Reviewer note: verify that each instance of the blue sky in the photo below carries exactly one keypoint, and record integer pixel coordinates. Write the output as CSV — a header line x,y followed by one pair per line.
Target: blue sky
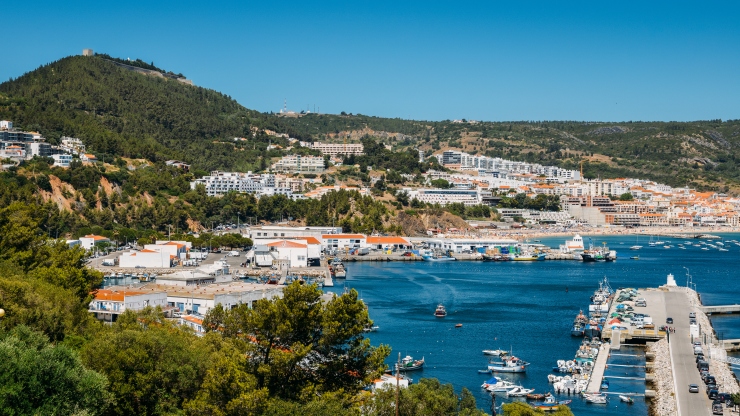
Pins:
x,y
517,60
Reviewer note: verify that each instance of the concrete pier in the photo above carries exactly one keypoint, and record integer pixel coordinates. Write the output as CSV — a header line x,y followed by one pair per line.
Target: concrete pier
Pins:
x,y
597,375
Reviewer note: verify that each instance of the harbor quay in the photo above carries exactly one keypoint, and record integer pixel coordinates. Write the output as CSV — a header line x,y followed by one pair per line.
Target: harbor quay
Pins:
x,y
678,329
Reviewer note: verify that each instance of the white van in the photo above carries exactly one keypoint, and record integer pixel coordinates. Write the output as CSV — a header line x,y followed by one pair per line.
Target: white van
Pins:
x,y
234,253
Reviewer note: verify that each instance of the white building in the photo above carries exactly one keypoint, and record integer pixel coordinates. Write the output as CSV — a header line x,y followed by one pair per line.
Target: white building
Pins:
x,y
448,196
336,149
343,241
294,252
201,299
113,301
6,125
62,160
146,259
299,164
281,232
72,145
89,241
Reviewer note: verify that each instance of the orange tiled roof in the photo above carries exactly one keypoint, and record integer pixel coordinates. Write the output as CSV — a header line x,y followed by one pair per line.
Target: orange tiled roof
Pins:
x,y
115,295
286,244
386,240
309,240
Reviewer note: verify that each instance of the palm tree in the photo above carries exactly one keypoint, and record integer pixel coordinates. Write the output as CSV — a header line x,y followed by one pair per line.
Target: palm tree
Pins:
x,y
115,236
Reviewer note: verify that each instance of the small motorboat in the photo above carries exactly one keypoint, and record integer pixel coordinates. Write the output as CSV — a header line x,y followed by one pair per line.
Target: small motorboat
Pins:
x,y
519,392
440,312
538,396
595,398
626,399
497,353
604,384
635,257
458,325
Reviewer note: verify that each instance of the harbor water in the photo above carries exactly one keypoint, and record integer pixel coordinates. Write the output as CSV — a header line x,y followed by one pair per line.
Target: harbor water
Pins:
x,y
527,307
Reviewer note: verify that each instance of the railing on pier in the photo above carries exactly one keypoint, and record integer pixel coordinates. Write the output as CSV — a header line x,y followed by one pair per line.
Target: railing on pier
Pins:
x,y
721,309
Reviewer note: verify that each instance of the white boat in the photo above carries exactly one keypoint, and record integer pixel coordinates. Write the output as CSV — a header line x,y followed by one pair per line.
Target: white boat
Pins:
x,y
595,398
635,247
626,399
497,353
508,365
518,392
497,385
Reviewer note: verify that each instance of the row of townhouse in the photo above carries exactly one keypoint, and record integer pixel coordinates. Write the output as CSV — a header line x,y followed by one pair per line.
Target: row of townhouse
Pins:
x,y
220,183
486,165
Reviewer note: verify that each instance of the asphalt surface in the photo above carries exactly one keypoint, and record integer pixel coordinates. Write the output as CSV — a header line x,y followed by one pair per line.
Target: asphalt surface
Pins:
x,y
678,306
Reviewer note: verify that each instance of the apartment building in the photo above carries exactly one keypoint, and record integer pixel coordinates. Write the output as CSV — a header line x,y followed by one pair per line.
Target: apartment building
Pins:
x,y
299,164
336,149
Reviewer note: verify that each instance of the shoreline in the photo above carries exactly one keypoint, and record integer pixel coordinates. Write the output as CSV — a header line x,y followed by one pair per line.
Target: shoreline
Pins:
x,y
673,232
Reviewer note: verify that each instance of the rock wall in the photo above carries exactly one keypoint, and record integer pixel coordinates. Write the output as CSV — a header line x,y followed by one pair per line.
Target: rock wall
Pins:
x,y
664,403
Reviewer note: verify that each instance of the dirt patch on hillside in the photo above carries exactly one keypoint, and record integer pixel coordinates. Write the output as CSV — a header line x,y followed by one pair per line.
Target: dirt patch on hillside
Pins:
x,y
417,225
56,195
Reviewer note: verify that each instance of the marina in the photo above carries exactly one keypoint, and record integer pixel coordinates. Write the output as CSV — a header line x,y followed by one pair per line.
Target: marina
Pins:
x,y
517,305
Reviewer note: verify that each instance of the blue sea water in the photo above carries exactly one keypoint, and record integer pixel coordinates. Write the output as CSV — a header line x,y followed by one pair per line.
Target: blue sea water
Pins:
x,y
527,307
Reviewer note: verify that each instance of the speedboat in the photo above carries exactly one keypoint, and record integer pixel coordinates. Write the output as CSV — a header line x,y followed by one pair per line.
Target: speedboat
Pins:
x,y
497,353
518,392
497,385
626,399
595,398
440,312
604,384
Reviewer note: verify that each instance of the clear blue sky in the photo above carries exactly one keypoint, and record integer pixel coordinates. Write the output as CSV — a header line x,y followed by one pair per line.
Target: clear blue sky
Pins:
x,y
515,60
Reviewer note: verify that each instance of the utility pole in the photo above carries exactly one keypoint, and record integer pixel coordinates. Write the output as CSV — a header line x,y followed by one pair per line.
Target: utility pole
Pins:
x,y
398,388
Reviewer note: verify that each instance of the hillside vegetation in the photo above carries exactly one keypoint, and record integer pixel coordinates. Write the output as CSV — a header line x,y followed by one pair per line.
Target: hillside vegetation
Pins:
x,y
117,112
702,154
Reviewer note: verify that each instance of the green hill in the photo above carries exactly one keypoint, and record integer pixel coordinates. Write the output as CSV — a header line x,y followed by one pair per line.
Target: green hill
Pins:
x,y
702,154
119,112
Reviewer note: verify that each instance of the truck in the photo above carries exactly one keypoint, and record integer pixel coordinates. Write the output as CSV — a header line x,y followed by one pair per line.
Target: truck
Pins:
x,y
234,253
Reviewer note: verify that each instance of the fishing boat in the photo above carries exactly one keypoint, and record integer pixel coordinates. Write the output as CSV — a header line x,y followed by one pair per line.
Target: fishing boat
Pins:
x,y
340,272
534,256
626,399
440,312
437,257
579,325
508,364
409,364
550,404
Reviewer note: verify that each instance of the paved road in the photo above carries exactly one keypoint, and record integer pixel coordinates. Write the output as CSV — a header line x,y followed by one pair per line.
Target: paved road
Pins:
x,y
678,306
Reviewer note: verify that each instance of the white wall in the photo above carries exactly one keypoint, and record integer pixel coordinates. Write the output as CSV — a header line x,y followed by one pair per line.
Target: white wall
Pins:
x,y
144,259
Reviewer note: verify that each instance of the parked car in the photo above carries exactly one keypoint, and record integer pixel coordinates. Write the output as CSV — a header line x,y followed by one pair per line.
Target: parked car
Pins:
x,y
669,320
693,388
712,393
724,397
710,380
692,314
717,409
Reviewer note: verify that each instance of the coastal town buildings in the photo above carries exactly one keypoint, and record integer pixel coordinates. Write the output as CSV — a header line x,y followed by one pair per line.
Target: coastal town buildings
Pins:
x,y
299,164
336,149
